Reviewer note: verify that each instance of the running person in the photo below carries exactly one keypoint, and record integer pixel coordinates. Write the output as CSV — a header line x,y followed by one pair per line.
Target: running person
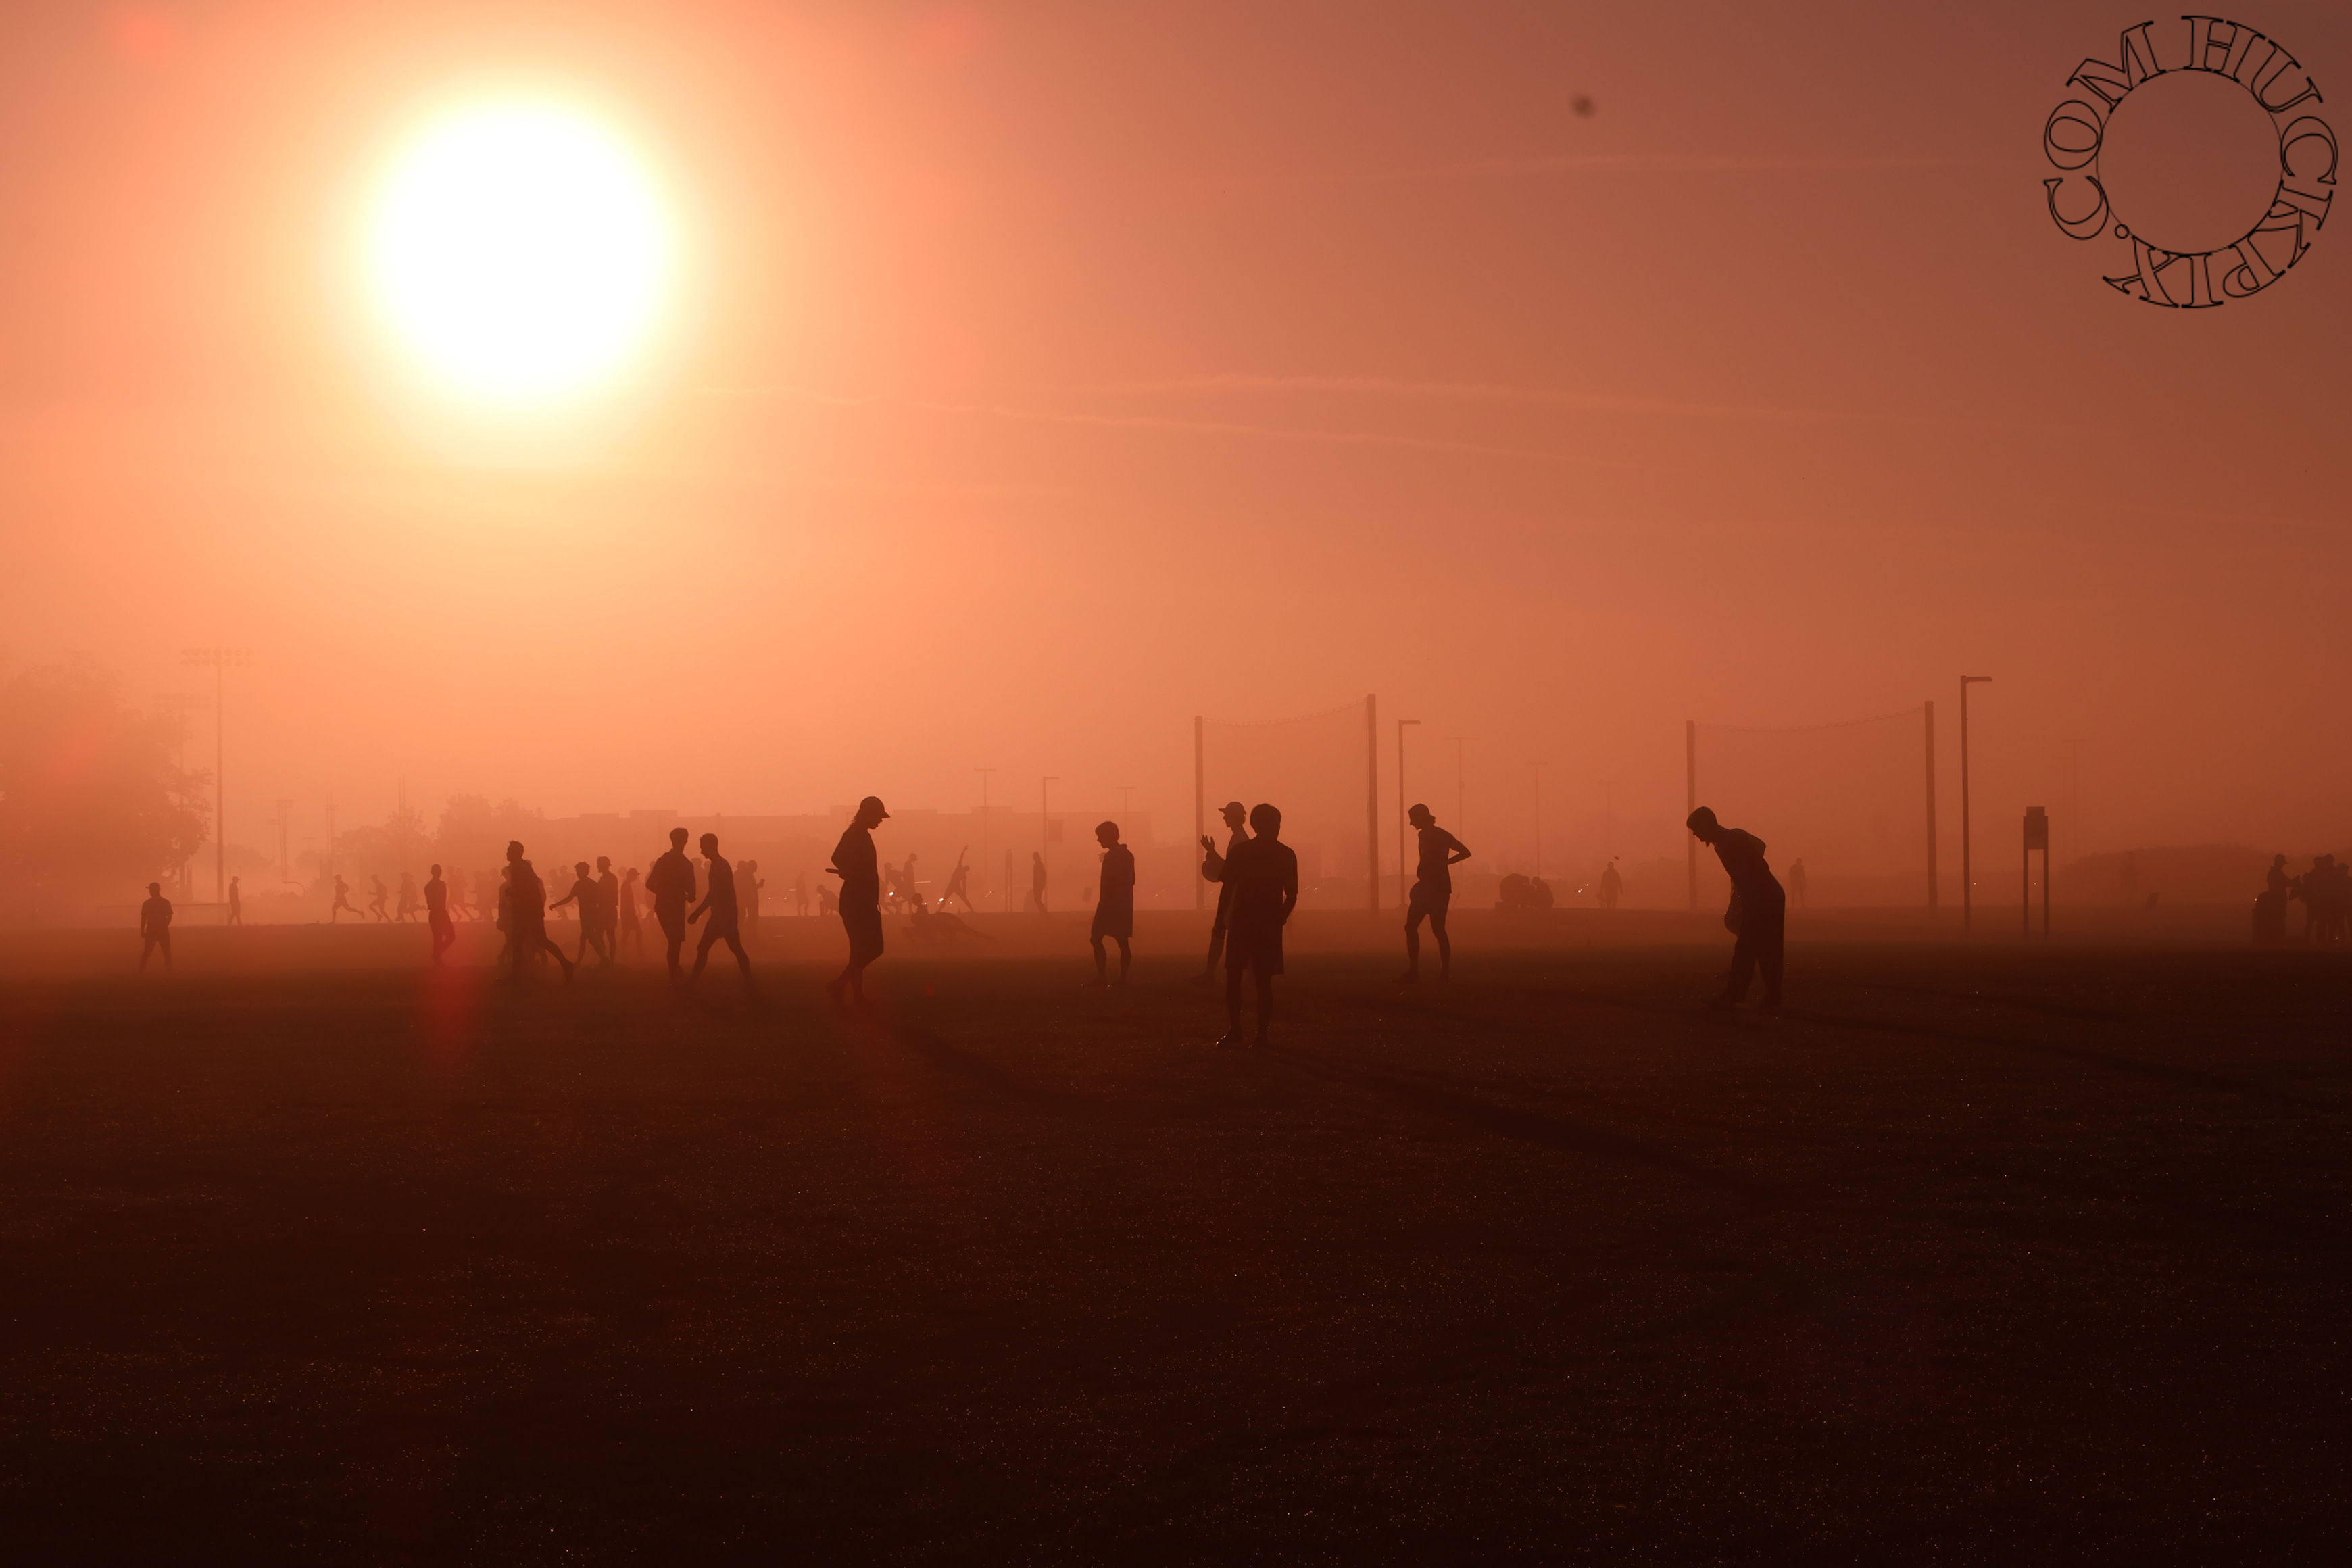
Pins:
x,y
726,915
342,901
375,904
671,883
526,915
1432,892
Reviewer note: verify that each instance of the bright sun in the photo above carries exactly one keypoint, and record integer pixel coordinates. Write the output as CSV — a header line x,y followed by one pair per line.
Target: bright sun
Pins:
x,y
520,252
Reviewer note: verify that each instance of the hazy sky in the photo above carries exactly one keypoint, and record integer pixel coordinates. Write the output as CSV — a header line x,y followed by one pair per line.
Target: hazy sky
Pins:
x,y
1051,373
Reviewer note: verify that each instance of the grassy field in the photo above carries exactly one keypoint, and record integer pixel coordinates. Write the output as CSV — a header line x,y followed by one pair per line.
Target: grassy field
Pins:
x,y
1974,1252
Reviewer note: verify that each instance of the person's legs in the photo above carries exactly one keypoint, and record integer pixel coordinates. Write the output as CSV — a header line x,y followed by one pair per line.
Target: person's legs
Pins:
x,y
1770,945
1102,961
1444,947
1743,965
1264,1005
702,951
742,959
1126,957
146,951
1414,912
1216,948
674,933
541,943
1233,1002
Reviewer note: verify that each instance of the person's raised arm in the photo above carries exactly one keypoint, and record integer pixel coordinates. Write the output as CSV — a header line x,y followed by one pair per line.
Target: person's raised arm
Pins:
x,y
1213,865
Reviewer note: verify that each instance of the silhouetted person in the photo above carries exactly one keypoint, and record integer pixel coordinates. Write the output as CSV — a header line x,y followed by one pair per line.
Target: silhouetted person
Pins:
x,y
1115,905
1433,893
1797,881
489,897
586,898
826,902
608,905
1613,886
407,905
1263,874
375,904
436,914
1759,909
750,884
671,885
460,896
235,903
1212,866
799,892
960,883
342,901
855,863
1037,880
726,915
155,927
626,901
526,915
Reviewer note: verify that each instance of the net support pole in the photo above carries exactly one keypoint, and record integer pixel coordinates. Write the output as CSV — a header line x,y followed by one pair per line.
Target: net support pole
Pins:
x,y
1199,804
1690,798
1372,799
1931,808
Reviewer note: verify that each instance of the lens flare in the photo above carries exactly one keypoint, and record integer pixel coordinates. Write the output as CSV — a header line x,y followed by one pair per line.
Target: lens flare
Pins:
x,y
521,253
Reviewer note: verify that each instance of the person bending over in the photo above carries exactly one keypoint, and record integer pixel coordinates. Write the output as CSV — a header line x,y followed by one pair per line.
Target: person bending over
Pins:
x,y
1758,913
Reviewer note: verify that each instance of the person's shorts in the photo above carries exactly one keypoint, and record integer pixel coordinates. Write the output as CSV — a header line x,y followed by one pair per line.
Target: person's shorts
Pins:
x,y
716,931
1427,898
673,923
1250,948
443,923
1117,923
865,928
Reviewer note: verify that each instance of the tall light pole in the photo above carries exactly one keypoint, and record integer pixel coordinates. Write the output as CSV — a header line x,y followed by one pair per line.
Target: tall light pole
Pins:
x,y
1967,888
1537,769
983,773
217,659
1045,827
1402,802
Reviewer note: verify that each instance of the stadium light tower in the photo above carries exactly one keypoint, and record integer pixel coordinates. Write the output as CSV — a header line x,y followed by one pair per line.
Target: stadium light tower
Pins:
x,y
217,659
1967,886
983,773
1403,860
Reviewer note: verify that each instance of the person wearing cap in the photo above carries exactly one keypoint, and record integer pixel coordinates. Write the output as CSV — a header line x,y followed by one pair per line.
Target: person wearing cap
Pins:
x,y
155,926
1758,912
1212,866
1114,904
1263,873
854,861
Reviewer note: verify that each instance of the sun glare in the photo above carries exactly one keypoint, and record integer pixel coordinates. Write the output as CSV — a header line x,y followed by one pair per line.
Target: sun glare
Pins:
x,y
520,252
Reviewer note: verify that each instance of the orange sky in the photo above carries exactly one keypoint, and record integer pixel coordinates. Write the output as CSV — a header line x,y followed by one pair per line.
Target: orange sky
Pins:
x,y
1054,372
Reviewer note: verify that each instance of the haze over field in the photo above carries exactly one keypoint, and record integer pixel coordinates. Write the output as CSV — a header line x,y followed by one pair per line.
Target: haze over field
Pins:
x,y
1031,378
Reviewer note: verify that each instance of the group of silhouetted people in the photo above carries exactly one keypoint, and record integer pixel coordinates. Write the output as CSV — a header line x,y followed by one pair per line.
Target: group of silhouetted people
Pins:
x,y
2325,892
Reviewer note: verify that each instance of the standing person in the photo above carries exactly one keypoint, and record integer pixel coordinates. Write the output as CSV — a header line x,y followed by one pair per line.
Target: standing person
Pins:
x,y
235,902
861,900
1115,905
587,901
799,892
906,882
1759,910
625,897
1797,881
1263,874
375,904
726,915
960,882
1613,886
608,906
1433,894
671,883
527,914
748,886
407,905
1037,880
1236,822
155,927
342,901
826,902
436,914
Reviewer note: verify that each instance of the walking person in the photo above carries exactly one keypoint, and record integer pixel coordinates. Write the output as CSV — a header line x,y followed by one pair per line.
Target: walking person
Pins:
x,y
1758,913
1433,894
608,906
726,915
155,928
407,905
1114,904
1236,820
632,938
1613,886
235,902
436,914
526,906
1797,881
860,872
1262,873
1037,880
587,901
375,904
671,883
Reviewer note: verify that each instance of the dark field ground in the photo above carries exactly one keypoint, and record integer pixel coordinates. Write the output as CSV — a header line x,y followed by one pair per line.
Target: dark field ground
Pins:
x,y
1975,1253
